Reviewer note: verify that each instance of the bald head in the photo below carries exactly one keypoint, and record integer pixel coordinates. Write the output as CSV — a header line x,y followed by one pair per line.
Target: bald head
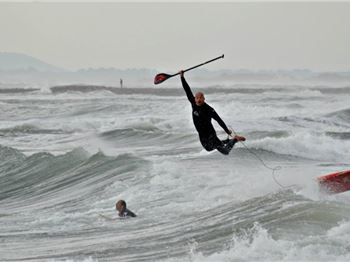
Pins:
x,y
199,98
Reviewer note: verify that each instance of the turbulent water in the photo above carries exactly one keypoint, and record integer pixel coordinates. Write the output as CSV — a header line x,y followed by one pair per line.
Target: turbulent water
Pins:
x,y
66,158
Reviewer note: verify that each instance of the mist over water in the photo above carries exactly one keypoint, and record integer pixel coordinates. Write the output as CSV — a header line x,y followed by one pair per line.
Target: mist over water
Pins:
x,y
66,157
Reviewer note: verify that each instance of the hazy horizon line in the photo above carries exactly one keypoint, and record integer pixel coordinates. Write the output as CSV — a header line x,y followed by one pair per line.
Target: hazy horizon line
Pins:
x,y
102,67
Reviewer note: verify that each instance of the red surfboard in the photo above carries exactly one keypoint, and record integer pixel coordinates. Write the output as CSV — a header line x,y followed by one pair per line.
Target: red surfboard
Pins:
x,y
334,183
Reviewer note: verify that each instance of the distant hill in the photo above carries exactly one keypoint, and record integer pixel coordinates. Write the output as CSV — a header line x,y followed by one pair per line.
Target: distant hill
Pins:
x,y
18,68
16,61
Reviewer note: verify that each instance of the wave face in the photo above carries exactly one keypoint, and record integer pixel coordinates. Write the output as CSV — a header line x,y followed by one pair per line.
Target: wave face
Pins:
x,y
17,90
67,156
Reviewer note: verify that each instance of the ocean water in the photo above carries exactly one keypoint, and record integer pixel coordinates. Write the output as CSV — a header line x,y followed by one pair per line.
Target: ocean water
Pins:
x,y
67,157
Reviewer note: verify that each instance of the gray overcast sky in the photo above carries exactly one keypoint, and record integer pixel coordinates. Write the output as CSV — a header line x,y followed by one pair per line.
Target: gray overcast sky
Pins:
x,y
171,36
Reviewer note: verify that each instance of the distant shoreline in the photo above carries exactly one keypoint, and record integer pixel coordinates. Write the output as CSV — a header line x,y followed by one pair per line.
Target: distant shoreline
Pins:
x,y
178,91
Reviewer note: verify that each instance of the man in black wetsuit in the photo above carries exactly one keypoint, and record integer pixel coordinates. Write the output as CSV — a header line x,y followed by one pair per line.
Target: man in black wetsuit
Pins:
x,y
202,114
120,206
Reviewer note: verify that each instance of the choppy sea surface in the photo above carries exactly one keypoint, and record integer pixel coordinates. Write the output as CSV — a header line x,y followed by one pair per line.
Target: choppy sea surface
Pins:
x,y
66,158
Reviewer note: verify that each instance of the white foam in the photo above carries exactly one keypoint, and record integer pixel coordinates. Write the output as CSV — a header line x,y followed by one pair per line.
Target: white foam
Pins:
x,y
309,145
257,244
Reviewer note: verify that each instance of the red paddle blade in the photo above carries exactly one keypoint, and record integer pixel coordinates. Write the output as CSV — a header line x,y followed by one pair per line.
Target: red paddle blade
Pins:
x,y
160,78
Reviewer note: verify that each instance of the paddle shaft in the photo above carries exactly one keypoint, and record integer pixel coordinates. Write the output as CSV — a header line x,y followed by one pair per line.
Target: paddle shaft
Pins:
x,y
159,78
193,67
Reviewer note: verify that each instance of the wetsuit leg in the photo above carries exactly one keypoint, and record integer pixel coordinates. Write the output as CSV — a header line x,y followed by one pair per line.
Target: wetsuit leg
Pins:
x,y
209,142
209,146
226,148
226,140
213,142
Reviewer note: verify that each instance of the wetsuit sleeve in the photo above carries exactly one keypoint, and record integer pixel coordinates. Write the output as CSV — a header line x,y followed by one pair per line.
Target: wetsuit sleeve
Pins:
x,y
187,90
220,122
131,214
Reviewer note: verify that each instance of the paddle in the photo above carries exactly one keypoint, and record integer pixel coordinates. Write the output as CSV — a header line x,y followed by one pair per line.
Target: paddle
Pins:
x,y
162,76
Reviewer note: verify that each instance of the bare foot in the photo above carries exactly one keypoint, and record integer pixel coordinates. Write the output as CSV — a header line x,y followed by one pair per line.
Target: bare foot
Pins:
x,y
240,138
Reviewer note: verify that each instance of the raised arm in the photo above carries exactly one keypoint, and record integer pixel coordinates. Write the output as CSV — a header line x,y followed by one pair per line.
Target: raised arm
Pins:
x,y
220,122
187,88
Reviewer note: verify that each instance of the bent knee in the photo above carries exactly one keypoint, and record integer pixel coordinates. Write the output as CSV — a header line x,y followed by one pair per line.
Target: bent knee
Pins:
x,y
223,151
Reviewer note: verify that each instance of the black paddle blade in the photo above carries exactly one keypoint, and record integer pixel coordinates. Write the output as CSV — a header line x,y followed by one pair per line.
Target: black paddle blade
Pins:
x,y
161,78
